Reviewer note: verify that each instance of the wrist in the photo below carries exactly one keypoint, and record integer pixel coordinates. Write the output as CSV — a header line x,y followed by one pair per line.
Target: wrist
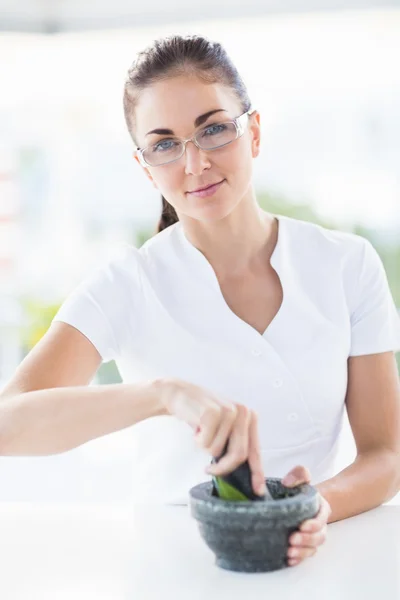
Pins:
x,y
159,392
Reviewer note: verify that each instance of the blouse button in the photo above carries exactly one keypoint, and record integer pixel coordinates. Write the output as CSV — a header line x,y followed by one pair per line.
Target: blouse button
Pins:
x,y
293,417
278,383
256,352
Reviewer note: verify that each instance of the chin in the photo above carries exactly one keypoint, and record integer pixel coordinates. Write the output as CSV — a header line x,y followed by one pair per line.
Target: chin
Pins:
x,y
214,211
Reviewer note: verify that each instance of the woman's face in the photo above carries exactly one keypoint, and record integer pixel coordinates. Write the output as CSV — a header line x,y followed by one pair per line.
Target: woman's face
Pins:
x,y
175,104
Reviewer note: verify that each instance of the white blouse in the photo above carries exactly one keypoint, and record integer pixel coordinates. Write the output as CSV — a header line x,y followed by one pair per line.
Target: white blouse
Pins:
x,y
158,311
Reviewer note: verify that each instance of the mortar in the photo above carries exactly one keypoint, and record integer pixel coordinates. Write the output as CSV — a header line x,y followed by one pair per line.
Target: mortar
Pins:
x,y
252,536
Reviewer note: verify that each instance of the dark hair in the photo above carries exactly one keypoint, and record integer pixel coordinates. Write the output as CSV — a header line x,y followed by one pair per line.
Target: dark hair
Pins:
x,y
178,55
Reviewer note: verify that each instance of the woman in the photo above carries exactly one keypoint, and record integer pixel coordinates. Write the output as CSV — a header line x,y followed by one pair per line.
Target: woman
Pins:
x,y
244,325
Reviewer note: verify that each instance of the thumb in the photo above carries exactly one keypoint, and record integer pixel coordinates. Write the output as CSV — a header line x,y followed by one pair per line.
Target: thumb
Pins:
x,y
297,476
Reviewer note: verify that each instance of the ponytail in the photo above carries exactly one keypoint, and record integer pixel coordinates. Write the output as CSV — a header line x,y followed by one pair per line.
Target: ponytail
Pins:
x,y
168,215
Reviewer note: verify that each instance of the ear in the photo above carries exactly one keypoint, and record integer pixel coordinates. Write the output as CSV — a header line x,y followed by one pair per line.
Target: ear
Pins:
x,y
145,169
255,130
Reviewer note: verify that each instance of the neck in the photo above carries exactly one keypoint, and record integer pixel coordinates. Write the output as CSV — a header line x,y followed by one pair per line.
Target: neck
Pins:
x,y
238,243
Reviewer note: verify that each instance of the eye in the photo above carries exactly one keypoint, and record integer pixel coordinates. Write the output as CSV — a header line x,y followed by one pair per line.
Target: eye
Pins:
x,y
164,145
214,129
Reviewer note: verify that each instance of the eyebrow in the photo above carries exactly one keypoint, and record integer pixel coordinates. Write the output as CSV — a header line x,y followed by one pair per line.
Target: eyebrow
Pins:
x,y
199,121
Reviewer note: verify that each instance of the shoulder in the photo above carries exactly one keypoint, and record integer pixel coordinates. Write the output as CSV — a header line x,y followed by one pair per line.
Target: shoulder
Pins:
x,y
125,267
122,259
116,271
321,244
162,240
125,258
334,259
161,247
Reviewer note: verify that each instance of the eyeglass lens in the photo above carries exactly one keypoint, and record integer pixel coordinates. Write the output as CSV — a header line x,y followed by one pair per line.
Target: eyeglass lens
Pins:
x,y
209,138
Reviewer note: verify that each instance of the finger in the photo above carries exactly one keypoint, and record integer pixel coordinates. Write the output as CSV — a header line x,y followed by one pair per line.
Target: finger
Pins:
x,y
325,510
310,540
315,524
238,445
300,553
209,424
255,461
292,562
228,418
297,476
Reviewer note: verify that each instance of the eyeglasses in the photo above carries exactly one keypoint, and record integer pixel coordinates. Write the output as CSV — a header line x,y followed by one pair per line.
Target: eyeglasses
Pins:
x,y
209,138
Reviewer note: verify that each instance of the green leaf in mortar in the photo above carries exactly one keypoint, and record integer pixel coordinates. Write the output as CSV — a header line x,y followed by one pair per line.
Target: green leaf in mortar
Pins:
x,y
228,492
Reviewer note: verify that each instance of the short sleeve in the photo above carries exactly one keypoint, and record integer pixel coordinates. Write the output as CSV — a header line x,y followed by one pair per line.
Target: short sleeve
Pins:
x,y
375,321
103,305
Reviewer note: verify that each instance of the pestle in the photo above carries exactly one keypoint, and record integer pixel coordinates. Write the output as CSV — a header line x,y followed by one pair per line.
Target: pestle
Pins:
x,y
237,484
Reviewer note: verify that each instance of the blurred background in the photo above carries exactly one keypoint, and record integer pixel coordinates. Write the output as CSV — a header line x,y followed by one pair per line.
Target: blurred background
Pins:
x,y
325,77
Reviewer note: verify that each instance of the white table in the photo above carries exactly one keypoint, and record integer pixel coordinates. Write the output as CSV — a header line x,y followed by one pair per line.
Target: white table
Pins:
x,y
155,553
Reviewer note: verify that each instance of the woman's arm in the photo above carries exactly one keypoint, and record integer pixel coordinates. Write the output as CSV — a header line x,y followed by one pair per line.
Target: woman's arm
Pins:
x,y
48,408
373,406
52,421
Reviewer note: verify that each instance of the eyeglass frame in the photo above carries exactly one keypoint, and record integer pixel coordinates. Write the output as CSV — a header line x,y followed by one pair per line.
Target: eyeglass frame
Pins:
x,y
239,132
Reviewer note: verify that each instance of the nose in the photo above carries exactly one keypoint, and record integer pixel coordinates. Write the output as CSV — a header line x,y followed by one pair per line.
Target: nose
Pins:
x,y
196,160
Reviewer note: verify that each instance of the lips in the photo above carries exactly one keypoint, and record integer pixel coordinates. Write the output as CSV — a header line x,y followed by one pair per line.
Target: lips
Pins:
x,y
206,191
202,189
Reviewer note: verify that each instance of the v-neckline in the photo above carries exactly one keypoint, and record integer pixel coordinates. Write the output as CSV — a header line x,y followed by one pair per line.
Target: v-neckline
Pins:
x,y
211,277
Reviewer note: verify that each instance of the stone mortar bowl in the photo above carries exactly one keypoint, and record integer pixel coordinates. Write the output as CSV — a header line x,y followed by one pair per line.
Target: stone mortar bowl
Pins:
x,y
252,536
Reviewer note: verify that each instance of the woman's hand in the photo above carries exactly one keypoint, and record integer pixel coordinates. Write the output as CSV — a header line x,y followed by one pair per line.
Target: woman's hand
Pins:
x,y
214,422
304,543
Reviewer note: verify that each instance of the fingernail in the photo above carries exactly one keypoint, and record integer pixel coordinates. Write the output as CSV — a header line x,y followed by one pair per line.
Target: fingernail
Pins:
x,y
262,489
289,480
